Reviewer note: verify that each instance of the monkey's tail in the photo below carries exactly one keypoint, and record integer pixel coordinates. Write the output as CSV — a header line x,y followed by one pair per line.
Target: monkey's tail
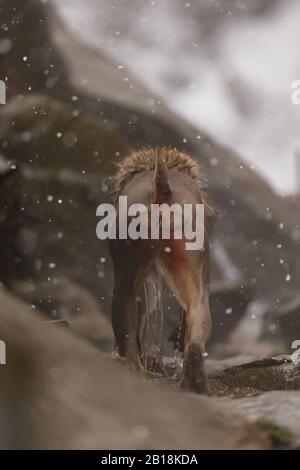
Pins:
x,y
161,188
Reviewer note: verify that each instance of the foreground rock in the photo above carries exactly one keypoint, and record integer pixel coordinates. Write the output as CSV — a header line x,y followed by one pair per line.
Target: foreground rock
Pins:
x,y
266,392
68,303
278,413
56,391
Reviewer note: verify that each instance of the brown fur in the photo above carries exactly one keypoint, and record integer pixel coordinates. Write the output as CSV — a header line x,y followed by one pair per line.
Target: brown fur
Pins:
x,y
144,159
161,175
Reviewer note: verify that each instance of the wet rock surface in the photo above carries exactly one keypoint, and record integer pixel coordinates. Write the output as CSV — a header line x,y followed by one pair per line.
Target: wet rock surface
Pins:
x,y
276,412
57,391
255,377
241,376
266,392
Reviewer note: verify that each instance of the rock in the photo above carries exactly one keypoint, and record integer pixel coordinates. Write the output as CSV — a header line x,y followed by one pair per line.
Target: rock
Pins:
x,y
59,191
5,169
29,64
10,220
228,302
276,411
64,300
283,321
274,373
241,376
251,336
58,392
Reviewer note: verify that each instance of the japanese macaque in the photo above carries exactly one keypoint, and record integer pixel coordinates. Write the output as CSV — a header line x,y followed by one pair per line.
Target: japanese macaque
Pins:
x,y
161,176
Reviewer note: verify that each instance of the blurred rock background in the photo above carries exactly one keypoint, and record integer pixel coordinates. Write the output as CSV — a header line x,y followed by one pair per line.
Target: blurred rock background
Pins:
x,y
229,71
73,109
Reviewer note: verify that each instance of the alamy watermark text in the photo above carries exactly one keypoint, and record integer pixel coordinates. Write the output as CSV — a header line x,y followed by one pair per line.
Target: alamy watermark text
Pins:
x,y
159,221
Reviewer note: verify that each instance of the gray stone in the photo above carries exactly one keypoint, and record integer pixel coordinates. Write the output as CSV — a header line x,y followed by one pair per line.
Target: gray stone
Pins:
x,y
58,392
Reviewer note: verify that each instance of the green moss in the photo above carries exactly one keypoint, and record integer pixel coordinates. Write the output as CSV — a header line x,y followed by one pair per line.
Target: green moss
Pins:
x,y
279,435
109,355
143,373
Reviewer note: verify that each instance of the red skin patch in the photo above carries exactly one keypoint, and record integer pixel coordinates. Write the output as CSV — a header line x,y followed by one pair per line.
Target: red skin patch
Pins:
x,y
174,254
172,250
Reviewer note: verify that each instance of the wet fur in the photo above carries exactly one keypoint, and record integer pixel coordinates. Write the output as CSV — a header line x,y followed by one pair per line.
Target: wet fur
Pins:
x,y
186,272
138,161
